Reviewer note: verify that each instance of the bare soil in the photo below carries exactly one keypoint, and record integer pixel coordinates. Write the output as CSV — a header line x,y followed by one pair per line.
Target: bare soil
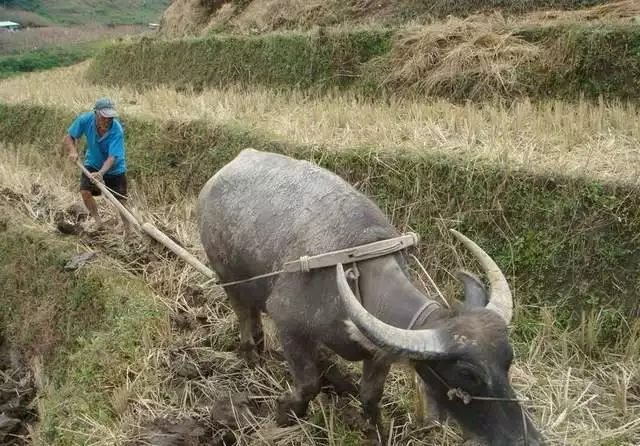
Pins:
x,y
227,414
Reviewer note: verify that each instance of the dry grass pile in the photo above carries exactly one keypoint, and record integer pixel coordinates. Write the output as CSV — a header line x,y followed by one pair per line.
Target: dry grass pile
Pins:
x,y
189,17
623,11
186,17
620,9
268,15
484,51
436,57
35,38
575,397
583,139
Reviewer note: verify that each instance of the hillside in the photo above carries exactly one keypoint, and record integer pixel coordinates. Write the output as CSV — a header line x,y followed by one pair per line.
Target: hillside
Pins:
x,y
82,12
193,17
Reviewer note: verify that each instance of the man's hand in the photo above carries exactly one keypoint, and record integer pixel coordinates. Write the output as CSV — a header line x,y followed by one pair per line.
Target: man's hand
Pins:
x,y
71,146
96,176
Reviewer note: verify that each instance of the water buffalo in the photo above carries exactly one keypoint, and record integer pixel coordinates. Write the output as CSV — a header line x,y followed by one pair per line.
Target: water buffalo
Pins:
x,y
264,209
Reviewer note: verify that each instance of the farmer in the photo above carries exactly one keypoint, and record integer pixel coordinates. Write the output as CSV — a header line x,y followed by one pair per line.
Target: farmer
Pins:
x,y
105,156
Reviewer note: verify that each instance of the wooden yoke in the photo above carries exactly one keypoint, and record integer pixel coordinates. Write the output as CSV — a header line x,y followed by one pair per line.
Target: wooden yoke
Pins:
x,y
351,255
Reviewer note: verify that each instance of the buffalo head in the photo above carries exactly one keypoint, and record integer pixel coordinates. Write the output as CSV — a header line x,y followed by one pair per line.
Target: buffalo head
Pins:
x,y
462,354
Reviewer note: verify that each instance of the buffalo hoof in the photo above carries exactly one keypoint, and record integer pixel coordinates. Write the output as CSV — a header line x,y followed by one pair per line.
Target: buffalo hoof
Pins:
x,y
247,352
288,409
374,429
340,384
373,437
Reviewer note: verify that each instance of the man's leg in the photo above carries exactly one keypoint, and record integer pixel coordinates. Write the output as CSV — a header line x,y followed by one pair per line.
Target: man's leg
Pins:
x,y
88,190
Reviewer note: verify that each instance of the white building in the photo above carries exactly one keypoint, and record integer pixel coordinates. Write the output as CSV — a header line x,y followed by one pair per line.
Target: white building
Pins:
x,y
9,26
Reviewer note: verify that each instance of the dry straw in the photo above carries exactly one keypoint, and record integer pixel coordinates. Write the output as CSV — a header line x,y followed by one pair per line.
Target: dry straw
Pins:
x,y
430,59
600,140
190,17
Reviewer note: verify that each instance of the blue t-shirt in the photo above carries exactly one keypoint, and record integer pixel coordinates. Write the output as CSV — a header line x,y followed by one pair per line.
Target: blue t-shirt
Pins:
x,y
99,148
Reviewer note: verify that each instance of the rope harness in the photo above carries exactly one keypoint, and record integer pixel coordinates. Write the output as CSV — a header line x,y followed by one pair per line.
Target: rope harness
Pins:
x,y
345,256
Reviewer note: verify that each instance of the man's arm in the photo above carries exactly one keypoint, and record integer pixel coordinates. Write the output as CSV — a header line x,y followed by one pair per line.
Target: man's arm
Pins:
x,y
71,146
106,165
74,132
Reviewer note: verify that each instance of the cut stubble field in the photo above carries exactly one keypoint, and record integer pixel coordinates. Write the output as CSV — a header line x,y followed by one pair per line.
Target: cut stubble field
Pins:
x,y
579,139
573,397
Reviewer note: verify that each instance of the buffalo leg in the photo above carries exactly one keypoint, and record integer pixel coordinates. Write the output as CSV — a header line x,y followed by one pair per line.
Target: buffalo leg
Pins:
x,y
341,382
374,374
246,322
301,358
256,330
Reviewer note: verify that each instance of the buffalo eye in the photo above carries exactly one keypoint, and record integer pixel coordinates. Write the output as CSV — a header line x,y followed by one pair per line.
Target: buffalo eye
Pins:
x,y
470,378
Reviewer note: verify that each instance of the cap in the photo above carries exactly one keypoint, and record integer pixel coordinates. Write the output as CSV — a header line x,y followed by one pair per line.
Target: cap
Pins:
x,y
105,108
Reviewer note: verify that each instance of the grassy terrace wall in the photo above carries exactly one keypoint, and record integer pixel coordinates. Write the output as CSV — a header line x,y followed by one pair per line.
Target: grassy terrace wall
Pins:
x,y
562,242
89,327
278,60
46,58
560,61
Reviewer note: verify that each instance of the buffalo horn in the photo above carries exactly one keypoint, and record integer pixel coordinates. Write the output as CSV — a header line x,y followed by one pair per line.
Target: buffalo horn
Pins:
x,y
413,344
500,299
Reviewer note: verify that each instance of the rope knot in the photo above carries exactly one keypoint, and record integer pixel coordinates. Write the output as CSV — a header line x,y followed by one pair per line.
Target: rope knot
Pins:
x,y
459,393
304,264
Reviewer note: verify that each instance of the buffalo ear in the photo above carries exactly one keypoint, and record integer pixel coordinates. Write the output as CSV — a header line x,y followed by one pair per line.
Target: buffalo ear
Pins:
x,y
475,294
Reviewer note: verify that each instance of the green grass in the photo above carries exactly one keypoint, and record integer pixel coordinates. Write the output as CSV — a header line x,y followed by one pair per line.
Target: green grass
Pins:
x,y
83,12
91,328
598,60
574,61
24,18
568,243
46,58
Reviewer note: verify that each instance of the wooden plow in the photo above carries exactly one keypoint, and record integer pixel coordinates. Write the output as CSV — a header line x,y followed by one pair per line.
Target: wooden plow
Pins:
x,y
151,230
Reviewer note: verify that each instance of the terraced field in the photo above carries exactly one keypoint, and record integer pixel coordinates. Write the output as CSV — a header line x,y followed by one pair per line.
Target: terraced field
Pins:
x,y
135,344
